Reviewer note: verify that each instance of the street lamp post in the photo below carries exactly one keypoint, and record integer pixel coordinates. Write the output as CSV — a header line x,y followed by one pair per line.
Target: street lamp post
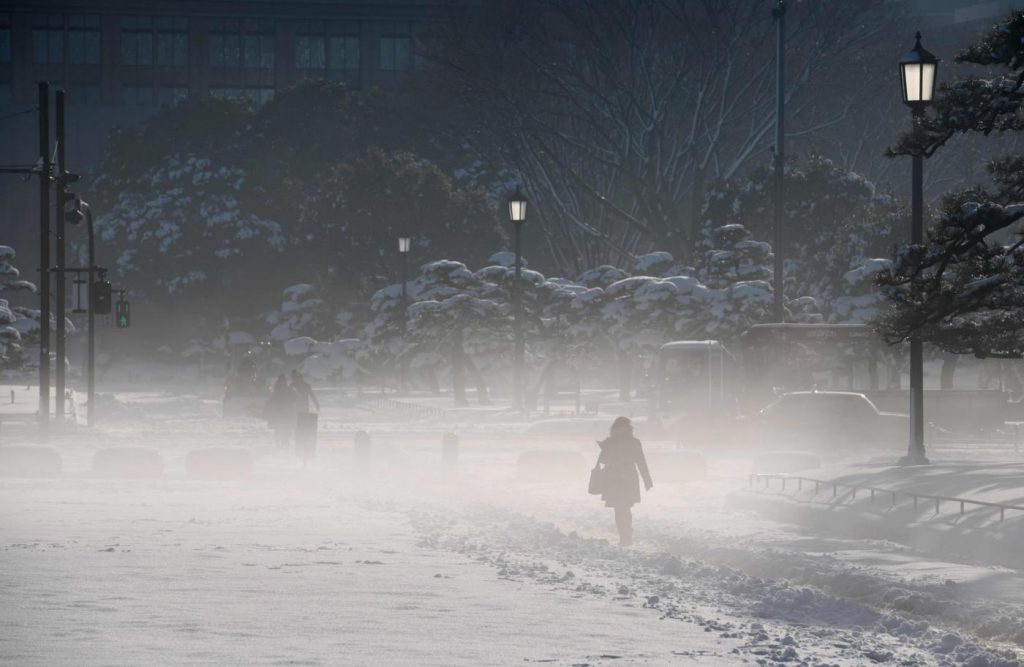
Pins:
x,y
517,215
404,245
917,74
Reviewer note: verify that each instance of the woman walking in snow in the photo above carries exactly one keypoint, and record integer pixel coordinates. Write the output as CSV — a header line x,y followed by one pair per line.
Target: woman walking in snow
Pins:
x,y
281,410
622,457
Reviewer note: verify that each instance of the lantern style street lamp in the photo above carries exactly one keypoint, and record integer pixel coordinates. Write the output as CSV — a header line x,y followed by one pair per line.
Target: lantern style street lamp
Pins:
x,y
517,215
918,68
917,72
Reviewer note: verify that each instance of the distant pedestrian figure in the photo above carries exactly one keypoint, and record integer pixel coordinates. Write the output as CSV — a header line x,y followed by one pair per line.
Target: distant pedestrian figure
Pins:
x,y
304,391
622,456
281,410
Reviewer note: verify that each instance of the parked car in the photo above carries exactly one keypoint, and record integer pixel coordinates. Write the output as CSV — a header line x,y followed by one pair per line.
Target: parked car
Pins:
x,y
830,421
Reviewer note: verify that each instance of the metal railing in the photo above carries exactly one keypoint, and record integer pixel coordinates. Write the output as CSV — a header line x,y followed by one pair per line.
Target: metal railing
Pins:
x,y
404,408
875,491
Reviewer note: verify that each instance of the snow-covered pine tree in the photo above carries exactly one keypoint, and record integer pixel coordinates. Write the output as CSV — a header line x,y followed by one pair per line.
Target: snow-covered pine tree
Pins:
x,y
963,289
18,325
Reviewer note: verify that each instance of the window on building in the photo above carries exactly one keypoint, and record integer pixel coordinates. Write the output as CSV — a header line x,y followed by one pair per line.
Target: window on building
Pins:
x,y
395,53
5,38
344,52
309,52
171,41
84,39
258,96
137,40
83,95
225,43
47,45
169,96
259,51
223,93
138,96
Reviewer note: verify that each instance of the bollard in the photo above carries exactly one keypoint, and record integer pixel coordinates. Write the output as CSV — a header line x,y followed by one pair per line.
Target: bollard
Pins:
x,y
306,424
936,505
362,446
450,453
894,498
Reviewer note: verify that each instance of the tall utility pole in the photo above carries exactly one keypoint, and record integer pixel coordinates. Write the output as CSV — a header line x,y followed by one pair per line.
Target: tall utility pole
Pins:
x,y
779,12
44,260
58,210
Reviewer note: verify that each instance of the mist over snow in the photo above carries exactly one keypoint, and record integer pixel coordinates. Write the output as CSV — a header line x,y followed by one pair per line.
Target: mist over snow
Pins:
x,y
513,332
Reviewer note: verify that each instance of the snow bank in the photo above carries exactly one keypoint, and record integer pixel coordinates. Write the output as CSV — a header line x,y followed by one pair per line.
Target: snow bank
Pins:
x,y
551,466
131,462
29,461
219,463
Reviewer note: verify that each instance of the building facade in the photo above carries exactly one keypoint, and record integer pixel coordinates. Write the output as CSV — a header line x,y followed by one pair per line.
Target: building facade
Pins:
x,y
148,53
121,60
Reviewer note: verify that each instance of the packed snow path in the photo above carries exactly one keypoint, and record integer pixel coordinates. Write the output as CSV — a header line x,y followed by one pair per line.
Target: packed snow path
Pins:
x,y
398,565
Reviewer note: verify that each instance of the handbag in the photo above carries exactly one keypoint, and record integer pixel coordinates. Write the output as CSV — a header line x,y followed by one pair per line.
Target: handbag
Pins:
x,y
595,487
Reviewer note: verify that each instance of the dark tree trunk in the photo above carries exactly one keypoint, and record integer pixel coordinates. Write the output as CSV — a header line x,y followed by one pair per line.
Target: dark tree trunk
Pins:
x,y
458,359
483,396
696,213
625,376
949,362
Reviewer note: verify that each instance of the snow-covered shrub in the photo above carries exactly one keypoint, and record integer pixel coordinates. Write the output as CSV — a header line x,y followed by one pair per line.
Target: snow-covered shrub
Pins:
x,y
302,313
18,325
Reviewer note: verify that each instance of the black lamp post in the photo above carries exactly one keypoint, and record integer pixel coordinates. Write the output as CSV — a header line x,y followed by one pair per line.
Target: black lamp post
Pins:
x,y
404,245
517,215
917,74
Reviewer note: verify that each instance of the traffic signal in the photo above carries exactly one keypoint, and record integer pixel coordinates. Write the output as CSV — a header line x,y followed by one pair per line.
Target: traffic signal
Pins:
x,y
73,213
122,315
101,297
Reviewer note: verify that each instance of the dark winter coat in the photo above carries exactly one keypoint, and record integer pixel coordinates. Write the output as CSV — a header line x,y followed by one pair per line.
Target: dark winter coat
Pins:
x,y
622,457
281,408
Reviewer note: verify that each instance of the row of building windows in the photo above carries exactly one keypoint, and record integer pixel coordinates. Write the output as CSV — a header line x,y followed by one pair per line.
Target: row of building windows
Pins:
x,y
88,95
164,42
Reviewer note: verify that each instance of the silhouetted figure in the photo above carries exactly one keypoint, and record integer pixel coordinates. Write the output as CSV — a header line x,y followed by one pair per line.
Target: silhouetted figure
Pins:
x,y
304,391
281,410
622,456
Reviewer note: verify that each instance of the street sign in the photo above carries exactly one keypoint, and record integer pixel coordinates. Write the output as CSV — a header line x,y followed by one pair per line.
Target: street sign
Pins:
x,y
102,296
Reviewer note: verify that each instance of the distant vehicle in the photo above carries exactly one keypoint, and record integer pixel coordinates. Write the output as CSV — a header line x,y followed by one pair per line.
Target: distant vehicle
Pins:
x,y
695,377
695,398
829,421
802,357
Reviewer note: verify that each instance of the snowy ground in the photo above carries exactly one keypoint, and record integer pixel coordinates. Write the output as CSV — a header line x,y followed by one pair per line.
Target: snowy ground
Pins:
x,y
397,564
